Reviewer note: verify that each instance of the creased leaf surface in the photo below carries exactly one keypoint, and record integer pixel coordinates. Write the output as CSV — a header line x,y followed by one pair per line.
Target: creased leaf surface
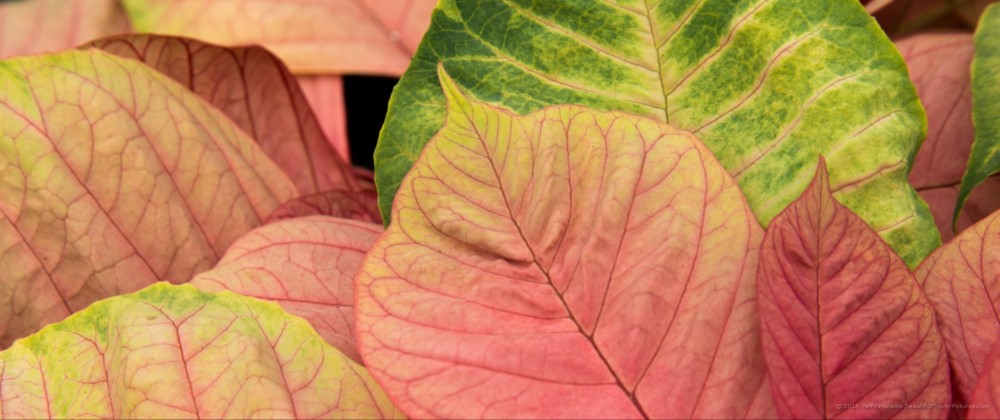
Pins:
x,y
844,321
564,264
766,84
307,265
254,89
962,281
112,177
176,352
985,158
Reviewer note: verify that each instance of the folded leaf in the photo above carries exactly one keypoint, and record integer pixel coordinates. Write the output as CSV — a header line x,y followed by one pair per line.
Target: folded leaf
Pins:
x,y
564,264
344,36
985,158
112,177
326,99
767,85
962,281
306,265
847,331
175,352
356,205
939,67
37,26
253,88
986,395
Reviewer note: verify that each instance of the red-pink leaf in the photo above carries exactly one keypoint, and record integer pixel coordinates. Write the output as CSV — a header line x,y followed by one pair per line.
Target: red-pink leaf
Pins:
x,y
962,281
356,205
985,400
939,67
256,91
567,263
113,177
36,26
306,265
844,321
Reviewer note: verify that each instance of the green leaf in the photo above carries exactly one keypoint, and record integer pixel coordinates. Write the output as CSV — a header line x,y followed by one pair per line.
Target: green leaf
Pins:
x,y
767,84
985,158
176,352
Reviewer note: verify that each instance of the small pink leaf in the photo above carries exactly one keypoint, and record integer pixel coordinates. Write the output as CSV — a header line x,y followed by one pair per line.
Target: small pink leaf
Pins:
x,y
306,265
985,400
527,275
356,205
962,281
253,88
844,321
326,98
114,177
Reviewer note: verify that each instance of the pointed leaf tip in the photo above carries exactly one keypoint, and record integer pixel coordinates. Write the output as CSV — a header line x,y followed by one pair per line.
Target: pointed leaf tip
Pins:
x,y
455,98
843,320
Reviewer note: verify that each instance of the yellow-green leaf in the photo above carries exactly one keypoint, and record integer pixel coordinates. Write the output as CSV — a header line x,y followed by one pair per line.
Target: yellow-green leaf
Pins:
x,y
176,352
766,84
985,158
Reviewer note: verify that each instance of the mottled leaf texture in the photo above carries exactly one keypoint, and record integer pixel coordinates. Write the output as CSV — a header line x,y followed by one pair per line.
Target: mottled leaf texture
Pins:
x,y
985,401
766,84
357,205
939,67
333,36
307,265
847,331
176,352
985,158
253,88
113,176
564,264
36,26
962,281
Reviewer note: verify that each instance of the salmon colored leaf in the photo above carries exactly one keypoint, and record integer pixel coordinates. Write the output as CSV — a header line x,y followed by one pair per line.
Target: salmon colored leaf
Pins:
x,y
176,352
326,98
564,264
306,265
253,88
962,281
356,205
38,26
986,395
985,158
939,67
312,37
112,177
765,84
847,331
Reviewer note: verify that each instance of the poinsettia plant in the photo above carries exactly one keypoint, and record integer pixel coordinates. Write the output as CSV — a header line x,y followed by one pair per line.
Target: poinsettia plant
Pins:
x,y
580,209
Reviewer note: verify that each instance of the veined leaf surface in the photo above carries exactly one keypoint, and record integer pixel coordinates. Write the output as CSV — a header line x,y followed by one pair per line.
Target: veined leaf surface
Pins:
x,y
307,265
37,26
356,205
112,177
176,352
962,281
939,67
254,89
766,84
564,264
844,321
985,158
987,391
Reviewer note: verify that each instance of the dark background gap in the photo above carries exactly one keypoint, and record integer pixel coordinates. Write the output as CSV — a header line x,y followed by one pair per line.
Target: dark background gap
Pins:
x,y
366,99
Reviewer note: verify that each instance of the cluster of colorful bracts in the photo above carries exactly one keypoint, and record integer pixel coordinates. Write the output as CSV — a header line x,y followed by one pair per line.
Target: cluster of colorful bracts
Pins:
x,y
580,209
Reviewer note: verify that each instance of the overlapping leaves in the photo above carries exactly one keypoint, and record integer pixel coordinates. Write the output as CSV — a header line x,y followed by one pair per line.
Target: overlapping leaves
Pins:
x,y
766,84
